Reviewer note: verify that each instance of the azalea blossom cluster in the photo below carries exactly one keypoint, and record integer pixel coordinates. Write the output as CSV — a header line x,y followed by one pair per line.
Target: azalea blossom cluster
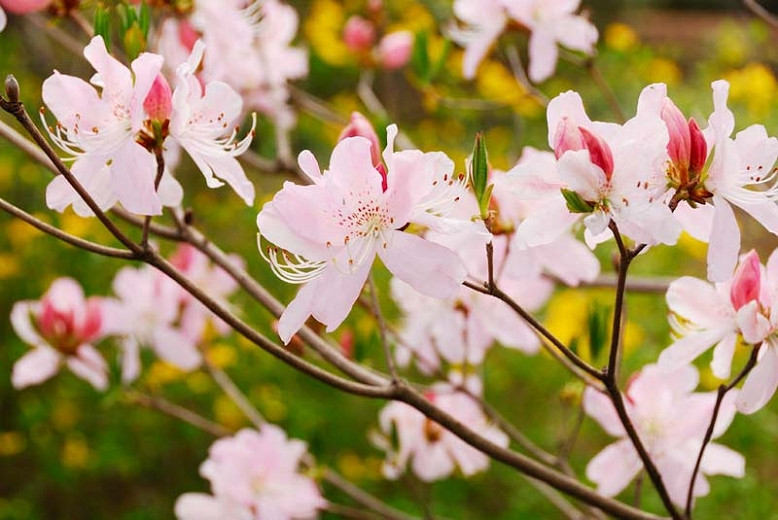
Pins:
x,y
254,475
149,310
117,138
360,34
249,47
548,22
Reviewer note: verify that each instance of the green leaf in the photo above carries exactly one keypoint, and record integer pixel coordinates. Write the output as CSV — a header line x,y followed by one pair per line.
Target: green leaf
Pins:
x,y
575,203
102,24
144,19
598,320
479,174
420,58
134,41
440,61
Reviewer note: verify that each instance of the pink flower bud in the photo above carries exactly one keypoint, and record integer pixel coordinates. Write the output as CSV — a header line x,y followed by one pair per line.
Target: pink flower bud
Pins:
x,y
395,49
678,147
359,34
360,126
567,137
159,101
187,35
599,151
699,148
24,6
746,282
65,320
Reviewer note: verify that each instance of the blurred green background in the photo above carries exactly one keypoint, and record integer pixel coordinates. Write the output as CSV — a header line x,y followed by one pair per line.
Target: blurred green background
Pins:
x,y
69,452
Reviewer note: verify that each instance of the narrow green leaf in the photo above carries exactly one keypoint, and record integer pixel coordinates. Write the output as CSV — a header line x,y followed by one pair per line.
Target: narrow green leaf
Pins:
x,y
102,24
598,328
144,19
575,203
420,58
440,61
479,174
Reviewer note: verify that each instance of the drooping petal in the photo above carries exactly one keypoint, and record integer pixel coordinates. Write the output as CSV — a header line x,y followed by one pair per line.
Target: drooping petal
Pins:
x,y
688,348
543,54
132,175
176,348
199,506
21,321
35,366
724,244
614,467
720,460
429,268
760,384
90,366
600,408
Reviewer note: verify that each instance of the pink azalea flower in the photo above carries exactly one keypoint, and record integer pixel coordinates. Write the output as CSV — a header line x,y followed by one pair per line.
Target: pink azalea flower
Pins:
x,y
147,313
99,132
432,451
61,328
740,173
213,280
24,6
614,170
549,23
671,421
394,49
359,34
199,120
254,476
358,214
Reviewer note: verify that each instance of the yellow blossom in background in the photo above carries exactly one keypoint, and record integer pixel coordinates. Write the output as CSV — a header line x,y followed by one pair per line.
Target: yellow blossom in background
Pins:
x,y
221,355
228,414
351,466
271,402
11,443
414,17
9,266
755,86
6,172
198,382
621,37
20,234
71,223
495,82
662,70
161,373
731,45
692,246
65,415
75,452
323,30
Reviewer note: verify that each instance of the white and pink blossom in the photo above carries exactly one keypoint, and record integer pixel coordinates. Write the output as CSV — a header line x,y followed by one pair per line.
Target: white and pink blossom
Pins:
x,y
433,452
550,23
61,329
327,234
254,476
671,421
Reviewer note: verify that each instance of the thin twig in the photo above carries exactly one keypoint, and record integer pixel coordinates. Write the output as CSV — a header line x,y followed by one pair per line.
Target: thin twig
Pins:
x,y
232,391
392,367
65,237
607,91
517,68
179,412
375,107
658,284
722,391
762,13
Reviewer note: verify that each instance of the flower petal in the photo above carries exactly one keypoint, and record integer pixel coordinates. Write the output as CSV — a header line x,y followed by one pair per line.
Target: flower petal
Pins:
x,y
34,367
760,384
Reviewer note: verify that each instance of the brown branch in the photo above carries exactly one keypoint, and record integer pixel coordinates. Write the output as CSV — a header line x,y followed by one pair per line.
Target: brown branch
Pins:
x,y
179,412
721,392
762,13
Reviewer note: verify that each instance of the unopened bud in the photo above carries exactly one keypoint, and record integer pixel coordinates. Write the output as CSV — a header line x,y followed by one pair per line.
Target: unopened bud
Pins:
x,y
599,151
359,126
11,89
358,34
746,282
567,137
678,147
24,6
159,101
699,148
395,49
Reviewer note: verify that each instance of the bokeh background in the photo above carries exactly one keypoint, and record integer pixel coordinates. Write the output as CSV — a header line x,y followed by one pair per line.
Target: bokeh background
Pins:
x,y
69,452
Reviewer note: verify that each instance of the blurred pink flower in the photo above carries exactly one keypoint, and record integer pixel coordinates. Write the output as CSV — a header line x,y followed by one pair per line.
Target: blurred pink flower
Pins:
x,y
359,34
394,49
330,232
671,421
254,476
432,451
24,6
61,328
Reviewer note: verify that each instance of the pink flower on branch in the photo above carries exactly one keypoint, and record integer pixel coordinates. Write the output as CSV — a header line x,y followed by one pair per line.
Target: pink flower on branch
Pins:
x,y
327,234
433,452
671,421
254,476
61,328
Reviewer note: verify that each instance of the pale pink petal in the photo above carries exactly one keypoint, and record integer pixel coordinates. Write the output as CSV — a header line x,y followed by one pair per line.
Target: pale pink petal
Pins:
x,y
21,321
337,293
698,302
170,191
575,32
567,105
724,244
275,228
486,20
132,175
688,348
760,384
614,467
698,222
92,173
765,213
90,366
224,167
722,356
73,101
721,120
429,268
199,506
130,359
351,167
145,69
547,223
176,348
3,19
581,176
432,463
543,53
720,460
298,310
600,408
309,165
753,324
35,366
